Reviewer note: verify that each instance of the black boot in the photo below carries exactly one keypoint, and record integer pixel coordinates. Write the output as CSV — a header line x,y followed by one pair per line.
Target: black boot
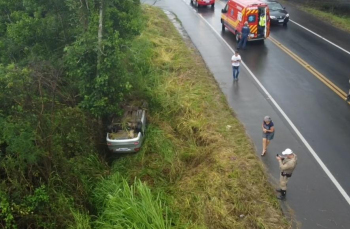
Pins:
x,y
283,195
279,190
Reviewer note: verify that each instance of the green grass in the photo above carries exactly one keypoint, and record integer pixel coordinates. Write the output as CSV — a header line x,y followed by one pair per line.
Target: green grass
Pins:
x,y
81,220
341,22
131,206
192,171
334,17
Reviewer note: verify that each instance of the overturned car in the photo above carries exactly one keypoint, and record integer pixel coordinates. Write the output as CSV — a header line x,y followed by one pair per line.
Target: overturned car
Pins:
x,y
126,134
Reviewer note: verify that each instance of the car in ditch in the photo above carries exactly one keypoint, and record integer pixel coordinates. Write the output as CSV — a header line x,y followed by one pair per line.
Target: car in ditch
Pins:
x,y
126,134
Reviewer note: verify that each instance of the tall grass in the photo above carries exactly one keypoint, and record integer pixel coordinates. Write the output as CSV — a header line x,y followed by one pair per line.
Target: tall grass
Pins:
x,y
129,206
81,220
200,174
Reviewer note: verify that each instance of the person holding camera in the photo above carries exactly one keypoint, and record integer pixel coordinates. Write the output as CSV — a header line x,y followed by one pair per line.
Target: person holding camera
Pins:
x,y
287,163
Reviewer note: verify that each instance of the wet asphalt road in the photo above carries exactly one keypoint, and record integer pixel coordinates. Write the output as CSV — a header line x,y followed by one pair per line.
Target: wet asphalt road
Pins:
x,y
320,115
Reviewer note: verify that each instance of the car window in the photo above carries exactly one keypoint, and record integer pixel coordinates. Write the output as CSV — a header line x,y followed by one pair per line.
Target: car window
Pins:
x,y
251,18
275,6
226,8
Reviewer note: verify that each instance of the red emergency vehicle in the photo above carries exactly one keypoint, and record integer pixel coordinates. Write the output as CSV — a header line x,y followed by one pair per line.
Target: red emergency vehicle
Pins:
x,y
198,3
236,12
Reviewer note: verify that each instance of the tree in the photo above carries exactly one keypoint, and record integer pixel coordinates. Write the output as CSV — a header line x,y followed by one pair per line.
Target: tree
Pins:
x,y
56,78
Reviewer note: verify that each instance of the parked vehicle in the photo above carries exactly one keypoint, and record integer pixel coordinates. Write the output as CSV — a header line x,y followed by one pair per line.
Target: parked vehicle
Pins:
x,y
126,133
278,13
198,3
236,12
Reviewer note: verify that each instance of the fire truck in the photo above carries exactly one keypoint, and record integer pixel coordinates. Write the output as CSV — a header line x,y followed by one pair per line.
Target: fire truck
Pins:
x,y
236,12
198,3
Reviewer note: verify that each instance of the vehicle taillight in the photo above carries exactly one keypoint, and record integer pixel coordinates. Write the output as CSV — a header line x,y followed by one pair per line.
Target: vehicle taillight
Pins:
x,y
109,144
136,143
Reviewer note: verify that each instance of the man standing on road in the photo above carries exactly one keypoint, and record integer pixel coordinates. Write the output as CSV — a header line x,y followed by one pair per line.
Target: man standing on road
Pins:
x,y
287,164
244,36
235,60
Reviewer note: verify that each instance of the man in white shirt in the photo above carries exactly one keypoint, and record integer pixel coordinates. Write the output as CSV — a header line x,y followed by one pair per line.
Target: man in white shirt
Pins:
x,y
235,60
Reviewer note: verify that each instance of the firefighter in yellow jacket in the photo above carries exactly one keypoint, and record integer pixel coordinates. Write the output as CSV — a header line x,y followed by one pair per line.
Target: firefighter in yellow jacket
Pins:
x,y
287,164
262,24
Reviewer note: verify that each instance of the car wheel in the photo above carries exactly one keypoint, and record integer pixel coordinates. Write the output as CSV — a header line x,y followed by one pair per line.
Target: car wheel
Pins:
x,y
212,5
222,27
196,4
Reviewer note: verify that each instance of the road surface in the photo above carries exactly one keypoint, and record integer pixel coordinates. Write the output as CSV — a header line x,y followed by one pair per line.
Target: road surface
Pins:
x,y
299,77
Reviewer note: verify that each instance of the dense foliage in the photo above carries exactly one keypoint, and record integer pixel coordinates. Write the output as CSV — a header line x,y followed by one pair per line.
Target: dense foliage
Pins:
x,y
65,66
198,170
57,82
337,7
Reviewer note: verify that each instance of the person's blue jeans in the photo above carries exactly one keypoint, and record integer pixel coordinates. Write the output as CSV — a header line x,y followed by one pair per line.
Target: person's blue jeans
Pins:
x,y
235,72
243,42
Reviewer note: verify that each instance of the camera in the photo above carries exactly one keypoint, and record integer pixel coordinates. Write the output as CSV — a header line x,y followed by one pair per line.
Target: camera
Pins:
x,y
280,156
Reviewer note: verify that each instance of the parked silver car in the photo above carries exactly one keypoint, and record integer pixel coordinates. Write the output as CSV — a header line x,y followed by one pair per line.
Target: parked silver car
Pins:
x,y
126,134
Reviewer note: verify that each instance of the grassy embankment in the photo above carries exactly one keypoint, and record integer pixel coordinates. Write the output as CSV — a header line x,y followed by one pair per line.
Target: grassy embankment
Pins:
x,y
192,172
340,21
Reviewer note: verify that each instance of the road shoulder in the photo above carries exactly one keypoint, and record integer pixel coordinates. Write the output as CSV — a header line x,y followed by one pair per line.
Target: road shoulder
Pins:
x,y
307,194
319,26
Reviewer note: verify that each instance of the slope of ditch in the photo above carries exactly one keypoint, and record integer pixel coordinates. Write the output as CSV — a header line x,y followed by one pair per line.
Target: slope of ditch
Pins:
x,y
197,167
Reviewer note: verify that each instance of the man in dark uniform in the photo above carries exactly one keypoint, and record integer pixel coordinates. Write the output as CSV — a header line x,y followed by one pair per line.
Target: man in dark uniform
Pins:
x,y
244,36
287,164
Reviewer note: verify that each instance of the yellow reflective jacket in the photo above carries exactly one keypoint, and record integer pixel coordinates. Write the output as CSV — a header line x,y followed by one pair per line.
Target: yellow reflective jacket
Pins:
x,y
262,21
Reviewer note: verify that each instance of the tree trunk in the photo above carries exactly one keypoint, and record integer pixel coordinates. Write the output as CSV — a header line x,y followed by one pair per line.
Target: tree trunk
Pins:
x,y
100,35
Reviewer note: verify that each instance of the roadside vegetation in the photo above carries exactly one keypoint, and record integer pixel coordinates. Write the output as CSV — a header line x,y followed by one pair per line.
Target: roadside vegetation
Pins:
x,y
335,12
197,159
339,20
60,81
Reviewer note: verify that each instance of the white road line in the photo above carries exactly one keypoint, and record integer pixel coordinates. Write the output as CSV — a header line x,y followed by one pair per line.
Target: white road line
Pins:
x,y
314,154
348,52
